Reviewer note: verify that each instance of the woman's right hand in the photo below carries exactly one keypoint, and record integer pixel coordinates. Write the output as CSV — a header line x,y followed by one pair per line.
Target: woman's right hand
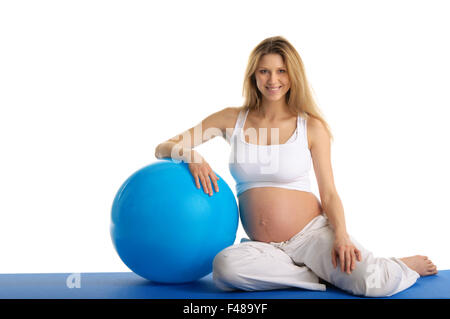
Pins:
x,y
202,173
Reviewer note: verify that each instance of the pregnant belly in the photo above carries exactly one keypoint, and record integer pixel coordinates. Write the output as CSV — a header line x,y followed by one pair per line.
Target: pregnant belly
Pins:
x,y
272,214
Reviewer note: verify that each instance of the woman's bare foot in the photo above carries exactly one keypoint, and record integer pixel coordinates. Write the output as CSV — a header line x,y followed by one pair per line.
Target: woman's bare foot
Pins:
x,y
420,264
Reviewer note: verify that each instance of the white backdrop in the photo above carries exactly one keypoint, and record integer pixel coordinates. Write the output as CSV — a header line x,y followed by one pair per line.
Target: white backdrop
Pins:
x,y
88,89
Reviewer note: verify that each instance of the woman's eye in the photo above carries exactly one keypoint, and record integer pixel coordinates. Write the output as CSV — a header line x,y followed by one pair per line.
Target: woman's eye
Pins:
x,y
263,71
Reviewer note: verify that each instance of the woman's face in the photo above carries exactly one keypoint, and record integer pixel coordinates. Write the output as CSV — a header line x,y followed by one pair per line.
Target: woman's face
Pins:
x,y
271,76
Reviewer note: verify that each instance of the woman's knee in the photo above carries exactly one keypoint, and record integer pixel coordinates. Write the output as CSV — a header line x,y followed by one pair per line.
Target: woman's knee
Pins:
x,y
235,266
226,268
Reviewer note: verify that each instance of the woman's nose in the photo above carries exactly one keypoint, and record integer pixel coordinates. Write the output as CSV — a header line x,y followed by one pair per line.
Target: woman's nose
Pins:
x,y
273,78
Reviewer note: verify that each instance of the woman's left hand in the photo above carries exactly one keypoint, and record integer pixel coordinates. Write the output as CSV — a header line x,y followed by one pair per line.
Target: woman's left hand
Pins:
x,y
347,253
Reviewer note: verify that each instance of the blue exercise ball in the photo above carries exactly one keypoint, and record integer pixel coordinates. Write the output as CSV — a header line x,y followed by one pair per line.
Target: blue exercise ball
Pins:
x,y
167,230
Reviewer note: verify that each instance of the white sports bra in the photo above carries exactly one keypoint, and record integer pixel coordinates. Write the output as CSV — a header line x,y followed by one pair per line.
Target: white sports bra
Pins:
x,y
279,165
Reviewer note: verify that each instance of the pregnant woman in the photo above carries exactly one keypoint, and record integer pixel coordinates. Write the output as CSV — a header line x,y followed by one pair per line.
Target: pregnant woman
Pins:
x,y
276,137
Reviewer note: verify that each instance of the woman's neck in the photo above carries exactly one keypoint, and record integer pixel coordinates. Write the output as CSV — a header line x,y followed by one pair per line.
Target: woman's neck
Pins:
x,y
274,111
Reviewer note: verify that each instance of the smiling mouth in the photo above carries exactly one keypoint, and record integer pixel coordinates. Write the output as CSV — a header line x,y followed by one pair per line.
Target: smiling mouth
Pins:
x,y
273,89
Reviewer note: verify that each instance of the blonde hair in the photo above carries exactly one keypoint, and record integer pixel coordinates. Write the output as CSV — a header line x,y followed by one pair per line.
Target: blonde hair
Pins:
x,y
299,98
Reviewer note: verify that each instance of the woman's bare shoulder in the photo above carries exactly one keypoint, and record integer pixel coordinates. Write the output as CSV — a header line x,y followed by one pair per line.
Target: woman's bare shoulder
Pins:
x,y
233,110
222,119
316,131
230,115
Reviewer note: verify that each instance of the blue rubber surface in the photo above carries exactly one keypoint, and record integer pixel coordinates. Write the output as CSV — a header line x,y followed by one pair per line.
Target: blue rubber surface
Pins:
x,y
127,285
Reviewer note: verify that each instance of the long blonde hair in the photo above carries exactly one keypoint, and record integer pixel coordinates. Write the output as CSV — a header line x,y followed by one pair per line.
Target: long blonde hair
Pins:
x,y
299,98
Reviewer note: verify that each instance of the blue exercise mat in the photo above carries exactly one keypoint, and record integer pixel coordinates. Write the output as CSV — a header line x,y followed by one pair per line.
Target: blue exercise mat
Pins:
x,y
127,285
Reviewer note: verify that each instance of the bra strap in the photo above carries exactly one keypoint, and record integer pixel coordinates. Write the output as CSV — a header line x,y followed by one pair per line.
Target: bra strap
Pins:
x,y
238,125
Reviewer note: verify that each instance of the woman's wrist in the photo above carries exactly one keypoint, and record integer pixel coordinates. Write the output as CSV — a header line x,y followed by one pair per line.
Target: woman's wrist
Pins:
x,y
191,156
341,233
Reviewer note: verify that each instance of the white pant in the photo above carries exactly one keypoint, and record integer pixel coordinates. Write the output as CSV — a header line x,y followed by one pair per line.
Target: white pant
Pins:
x,y
302,260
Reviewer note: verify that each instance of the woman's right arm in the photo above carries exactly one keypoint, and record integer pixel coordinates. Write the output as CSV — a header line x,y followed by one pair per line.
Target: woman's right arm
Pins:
x,y
181,147
175,150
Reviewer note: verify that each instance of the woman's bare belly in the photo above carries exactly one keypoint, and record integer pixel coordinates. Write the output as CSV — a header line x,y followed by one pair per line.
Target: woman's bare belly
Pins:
x,y
273,214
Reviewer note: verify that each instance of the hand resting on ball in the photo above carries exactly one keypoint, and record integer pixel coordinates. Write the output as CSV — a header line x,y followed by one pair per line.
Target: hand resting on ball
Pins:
x,y
203,173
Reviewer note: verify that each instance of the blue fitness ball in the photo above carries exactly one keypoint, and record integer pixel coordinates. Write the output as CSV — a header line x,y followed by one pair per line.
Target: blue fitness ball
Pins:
x,y
167,230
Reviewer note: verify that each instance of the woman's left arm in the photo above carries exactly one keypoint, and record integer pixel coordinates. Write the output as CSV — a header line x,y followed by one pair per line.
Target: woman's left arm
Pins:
x,y
320,147
343,248
332,206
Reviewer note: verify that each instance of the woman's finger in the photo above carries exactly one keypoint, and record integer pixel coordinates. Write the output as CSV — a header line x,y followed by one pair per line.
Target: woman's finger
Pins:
x,y
197,181
348,261
215,179
202,178
342,258
358,254
353,260
208,182
205,174
214,175
333,258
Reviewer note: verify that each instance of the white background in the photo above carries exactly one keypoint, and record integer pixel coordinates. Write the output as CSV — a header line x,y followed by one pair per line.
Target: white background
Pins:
x,y
88,89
